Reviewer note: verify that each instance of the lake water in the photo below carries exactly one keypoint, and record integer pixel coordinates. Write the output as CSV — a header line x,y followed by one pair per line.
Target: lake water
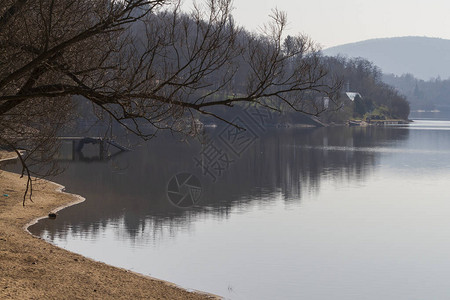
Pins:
x,y
314,213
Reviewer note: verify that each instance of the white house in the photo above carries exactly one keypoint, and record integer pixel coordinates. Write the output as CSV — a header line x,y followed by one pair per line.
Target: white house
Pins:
x,y
352,95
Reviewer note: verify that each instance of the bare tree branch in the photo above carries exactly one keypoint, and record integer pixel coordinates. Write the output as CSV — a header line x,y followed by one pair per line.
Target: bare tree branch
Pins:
x,y
146,64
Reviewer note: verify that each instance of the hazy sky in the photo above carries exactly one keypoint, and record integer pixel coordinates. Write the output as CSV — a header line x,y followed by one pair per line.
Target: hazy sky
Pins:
x,y
333,22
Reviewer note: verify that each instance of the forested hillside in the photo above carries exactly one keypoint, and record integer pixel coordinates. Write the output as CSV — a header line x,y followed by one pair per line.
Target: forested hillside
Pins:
x,y
423,95
424,57
377,98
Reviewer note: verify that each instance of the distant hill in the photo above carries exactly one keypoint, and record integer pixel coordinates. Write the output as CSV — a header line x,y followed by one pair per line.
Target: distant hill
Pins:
x,y
423,57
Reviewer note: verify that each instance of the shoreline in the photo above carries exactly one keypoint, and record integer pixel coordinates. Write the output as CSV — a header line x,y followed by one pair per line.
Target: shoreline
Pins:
x,y
59,189
32,268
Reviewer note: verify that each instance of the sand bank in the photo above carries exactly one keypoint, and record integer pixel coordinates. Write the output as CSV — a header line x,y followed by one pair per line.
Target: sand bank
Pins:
x,y
30,268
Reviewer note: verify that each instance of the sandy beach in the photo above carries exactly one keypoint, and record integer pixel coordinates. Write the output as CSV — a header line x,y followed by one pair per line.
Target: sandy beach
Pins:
x,y
30,268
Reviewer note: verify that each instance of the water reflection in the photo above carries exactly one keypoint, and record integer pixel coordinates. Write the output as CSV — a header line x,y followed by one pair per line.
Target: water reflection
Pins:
x,y
129,191
331,213
88,149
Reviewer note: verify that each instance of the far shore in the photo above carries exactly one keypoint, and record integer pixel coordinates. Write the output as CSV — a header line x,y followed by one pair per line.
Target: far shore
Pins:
x,y
31,268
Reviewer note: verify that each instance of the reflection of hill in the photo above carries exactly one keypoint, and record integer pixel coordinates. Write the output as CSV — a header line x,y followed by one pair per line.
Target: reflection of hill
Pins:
x,y
131,188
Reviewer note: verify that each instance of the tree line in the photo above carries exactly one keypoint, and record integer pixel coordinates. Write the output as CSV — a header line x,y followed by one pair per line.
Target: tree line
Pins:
x,y
423,95
148,66
377,98
144,64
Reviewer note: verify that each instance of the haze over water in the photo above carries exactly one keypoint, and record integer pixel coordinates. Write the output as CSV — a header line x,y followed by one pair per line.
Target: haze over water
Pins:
x,y
317,213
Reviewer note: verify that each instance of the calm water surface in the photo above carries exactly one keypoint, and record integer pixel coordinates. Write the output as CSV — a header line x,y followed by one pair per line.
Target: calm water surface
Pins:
x,y
330,213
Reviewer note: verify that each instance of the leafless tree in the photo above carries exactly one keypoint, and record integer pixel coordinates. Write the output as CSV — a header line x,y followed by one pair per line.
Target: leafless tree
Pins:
x,y
146,64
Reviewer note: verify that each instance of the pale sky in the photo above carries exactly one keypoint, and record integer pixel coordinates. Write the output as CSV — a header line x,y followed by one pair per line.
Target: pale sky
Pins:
x,y
336,22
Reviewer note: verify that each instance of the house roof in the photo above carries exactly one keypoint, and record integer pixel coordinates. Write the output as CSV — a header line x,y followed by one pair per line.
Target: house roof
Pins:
x,y
352,95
